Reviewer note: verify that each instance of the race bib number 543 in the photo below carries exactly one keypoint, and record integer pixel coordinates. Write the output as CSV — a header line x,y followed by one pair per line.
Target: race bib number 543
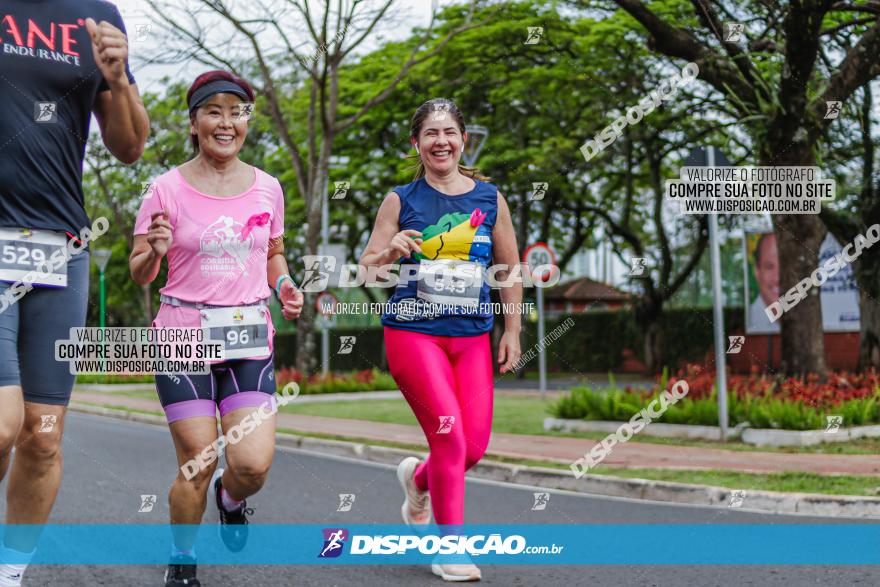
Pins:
x,y
451,282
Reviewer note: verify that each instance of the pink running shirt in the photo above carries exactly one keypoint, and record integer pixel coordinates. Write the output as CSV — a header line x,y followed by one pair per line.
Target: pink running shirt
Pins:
x,y
219,246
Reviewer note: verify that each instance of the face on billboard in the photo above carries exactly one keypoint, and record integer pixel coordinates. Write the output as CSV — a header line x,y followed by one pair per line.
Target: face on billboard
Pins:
x,y
766,265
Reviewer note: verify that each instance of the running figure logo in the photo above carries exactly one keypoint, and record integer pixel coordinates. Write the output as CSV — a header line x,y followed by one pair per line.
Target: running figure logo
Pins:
x,y
735,344
541,500
637,266
147,190
538,190
736,498
446,423
318,269
833,424
47,422
832,109
534,37
147,503
440,111
346,500
334,540
346,345
341,188
141,31
45,112
245,112
733,31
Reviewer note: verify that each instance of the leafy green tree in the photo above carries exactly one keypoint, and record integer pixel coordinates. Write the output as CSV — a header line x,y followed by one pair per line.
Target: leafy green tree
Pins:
x,y
778,81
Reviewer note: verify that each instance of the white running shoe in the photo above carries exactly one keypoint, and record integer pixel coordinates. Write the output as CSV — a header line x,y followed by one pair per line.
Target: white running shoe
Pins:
x,y
212,486
416,509
457,572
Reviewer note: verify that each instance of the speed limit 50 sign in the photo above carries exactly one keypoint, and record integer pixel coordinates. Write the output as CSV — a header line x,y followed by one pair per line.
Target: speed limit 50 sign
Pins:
x,y
541,261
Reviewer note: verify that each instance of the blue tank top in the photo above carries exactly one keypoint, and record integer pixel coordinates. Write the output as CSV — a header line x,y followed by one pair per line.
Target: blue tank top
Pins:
x,y
443,291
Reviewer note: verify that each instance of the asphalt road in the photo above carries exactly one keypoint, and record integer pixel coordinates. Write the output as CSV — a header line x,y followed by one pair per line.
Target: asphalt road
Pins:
x,y
109,464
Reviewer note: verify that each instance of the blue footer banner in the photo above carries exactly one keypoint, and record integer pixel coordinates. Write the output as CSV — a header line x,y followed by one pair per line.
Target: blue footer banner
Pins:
x,y
600,544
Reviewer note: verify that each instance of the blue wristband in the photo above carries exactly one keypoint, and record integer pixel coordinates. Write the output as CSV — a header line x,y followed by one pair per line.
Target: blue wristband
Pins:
x,y
280,280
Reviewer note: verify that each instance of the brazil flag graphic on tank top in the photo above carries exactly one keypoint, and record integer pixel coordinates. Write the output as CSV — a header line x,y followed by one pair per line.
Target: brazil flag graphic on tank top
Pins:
x,y
450,295
459,236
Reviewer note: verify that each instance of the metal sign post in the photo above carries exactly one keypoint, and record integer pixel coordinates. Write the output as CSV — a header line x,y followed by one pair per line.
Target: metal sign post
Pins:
x,y
535,256
323,301
699,158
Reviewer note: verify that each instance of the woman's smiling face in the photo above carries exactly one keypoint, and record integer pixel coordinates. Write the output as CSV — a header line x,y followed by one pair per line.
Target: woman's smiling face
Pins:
x,y
221,124
440,142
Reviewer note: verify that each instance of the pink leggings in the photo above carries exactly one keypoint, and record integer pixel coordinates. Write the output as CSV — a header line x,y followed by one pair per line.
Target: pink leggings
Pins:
x,y
443,376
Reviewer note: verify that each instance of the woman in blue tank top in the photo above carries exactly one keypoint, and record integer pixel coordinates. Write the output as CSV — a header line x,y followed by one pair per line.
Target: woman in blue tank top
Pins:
x,y
450,231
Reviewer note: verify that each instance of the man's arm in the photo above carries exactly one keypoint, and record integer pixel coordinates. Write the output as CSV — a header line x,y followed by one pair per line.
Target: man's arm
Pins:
x,y
119,110
123,121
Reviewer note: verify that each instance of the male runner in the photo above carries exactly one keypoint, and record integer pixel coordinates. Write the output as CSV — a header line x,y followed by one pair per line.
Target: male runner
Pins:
x,y
60,61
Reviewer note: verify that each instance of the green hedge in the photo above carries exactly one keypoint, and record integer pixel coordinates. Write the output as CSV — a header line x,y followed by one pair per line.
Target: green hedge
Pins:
x,y
368,353
597,340
594,344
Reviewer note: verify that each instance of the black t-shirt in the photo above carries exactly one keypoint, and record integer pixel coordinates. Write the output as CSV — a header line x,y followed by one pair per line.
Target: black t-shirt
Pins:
x,y
48,83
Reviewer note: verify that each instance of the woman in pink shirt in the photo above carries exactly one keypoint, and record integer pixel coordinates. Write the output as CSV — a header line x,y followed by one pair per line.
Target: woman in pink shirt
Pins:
x,y
220,222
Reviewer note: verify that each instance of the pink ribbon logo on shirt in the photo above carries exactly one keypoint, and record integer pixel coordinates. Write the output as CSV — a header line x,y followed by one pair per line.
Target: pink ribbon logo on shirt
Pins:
x,y
253,222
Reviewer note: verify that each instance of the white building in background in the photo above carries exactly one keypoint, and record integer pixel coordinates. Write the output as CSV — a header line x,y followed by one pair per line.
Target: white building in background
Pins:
x,y
598,264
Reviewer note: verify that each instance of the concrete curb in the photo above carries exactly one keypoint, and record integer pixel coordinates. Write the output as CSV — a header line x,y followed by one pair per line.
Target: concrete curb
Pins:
x,y
656,429
773,437
768,501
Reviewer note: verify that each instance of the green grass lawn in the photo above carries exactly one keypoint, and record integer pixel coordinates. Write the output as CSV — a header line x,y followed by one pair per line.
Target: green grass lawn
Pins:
x,y
587,377
517,415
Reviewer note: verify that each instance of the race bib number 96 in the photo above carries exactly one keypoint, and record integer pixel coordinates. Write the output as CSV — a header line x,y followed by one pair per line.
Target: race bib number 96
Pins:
x,y
243,329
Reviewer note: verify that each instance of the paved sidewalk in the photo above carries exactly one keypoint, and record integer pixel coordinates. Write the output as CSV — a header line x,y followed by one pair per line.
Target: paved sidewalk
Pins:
x,y
557,449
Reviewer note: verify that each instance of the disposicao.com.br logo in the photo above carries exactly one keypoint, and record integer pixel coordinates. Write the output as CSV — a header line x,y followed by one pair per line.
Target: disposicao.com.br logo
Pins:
x,y
429,544
334,542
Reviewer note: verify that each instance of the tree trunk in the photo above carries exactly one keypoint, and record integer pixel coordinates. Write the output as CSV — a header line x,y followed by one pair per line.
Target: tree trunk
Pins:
x,y
867,274
867,267
649,316
653,346
845,225
869,347
306,355
798,238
